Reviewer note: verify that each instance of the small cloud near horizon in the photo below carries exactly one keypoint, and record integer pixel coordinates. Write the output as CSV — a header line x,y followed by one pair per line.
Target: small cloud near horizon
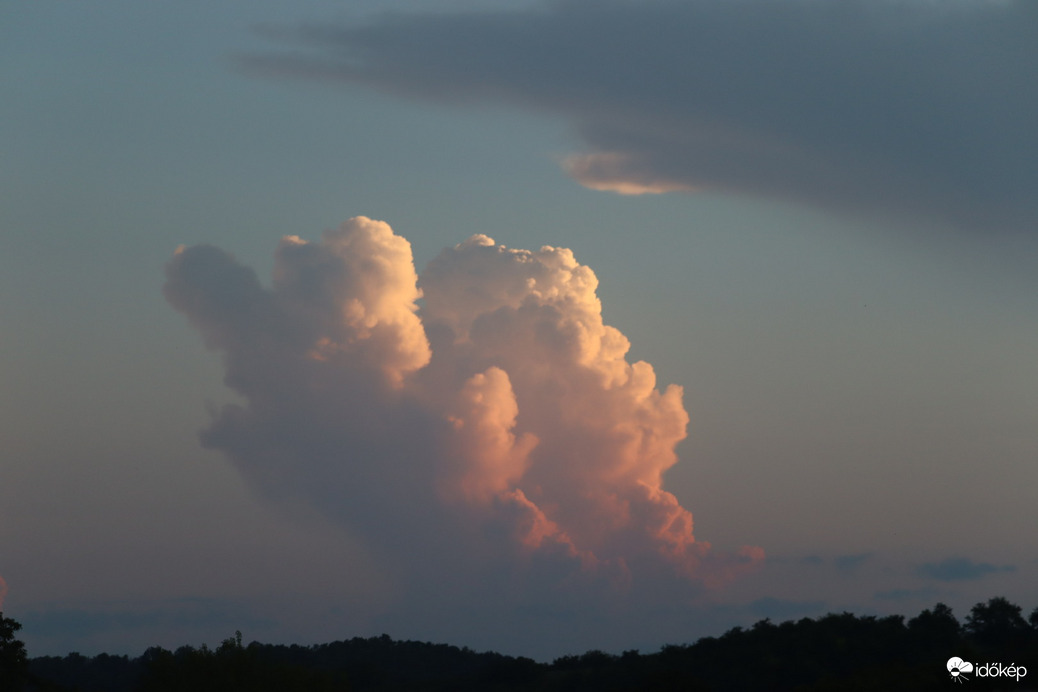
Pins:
x,y
906,594
961,569
848,563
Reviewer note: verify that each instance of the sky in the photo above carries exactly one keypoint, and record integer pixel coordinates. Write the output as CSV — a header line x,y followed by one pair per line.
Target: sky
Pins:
x,y
528,326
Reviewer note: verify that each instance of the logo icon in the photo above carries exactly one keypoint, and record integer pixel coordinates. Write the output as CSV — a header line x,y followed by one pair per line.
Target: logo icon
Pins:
x,y
958,668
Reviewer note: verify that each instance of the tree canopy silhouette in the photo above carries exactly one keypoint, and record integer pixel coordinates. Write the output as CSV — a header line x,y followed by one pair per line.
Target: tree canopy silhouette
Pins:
x,y
839,651
14,662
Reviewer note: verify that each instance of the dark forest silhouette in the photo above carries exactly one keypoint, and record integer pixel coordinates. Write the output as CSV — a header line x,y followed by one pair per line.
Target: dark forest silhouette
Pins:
x,y
834,652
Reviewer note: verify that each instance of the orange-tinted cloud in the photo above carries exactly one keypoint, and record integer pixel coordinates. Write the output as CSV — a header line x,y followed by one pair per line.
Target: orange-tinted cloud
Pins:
x,y
3,593
501,420
620,173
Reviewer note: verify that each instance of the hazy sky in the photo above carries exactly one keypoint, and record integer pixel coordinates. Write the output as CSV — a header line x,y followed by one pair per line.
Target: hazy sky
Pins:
x,y
556,326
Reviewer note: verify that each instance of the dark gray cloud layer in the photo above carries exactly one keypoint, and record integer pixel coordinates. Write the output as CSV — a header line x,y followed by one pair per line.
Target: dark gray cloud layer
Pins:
x,y
913,109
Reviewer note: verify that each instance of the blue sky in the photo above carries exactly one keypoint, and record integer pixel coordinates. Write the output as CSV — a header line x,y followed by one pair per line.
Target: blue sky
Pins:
x,y
842,281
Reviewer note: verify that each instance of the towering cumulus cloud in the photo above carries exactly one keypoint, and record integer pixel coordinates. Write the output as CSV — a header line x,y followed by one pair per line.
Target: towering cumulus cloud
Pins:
x,y
494,428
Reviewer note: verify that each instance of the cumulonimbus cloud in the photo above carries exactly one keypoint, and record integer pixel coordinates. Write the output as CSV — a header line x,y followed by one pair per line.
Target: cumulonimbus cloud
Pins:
x,y
907,108
482,417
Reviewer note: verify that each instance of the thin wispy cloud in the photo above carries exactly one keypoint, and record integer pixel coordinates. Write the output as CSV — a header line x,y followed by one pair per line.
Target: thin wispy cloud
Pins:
x,y
905,108
961,569
925,593
172,614
849,563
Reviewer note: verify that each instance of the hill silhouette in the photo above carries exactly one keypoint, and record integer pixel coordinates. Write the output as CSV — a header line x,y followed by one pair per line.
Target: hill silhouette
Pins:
x,y
839,651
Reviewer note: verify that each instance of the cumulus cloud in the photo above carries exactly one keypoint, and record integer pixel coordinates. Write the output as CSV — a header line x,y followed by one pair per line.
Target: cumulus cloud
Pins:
x,y
480,423
907,108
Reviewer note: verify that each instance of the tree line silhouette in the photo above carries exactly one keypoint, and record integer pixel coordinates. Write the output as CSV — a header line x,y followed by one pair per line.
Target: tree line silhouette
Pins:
x,y
838,651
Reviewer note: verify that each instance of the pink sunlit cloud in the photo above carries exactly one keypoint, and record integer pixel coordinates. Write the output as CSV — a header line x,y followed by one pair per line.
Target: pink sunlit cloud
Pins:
x,y
485,400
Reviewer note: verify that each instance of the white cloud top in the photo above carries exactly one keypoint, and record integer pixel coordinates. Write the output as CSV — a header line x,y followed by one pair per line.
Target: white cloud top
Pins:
x,y
502,414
